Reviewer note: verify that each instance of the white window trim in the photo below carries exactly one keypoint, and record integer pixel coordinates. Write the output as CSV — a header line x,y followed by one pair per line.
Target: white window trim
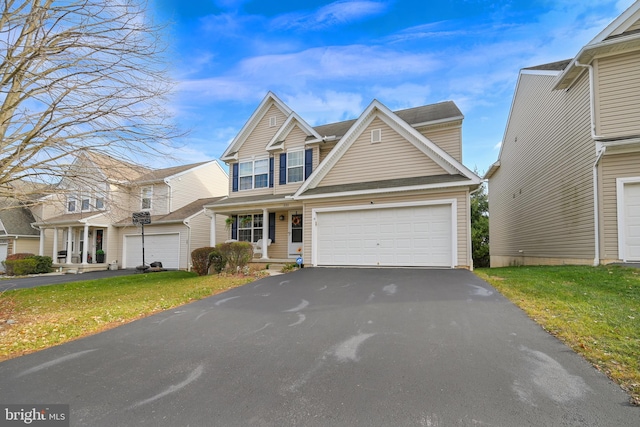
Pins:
x,y
253,173
252,228
142,194
620,183
290,167
73,199
82,199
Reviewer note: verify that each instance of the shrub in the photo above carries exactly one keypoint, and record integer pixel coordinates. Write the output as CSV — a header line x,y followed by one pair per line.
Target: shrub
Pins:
x,y
217,260
237,254
21,267
44,264
9,262
200,260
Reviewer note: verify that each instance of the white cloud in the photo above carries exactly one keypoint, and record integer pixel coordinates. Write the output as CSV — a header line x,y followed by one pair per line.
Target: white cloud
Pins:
x,y
332,15
498,146
325,107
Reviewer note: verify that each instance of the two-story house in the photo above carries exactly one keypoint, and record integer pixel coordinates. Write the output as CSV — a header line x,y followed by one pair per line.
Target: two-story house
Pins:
x,y
386,189
566,186
88,224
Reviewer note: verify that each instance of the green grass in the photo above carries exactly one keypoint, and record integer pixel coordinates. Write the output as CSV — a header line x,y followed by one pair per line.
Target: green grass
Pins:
x,y
594,310
51,315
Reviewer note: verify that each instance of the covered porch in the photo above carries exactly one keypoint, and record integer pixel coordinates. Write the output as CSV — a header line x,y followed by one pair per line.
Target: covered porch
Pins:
x,y
75,245
274,225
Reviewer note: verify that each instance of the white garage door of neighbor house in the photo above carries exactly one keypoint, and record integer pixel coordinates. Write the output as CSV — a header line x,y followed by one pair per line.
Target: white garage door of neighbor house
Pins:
x,y
632,222
157,247
399,236
3,255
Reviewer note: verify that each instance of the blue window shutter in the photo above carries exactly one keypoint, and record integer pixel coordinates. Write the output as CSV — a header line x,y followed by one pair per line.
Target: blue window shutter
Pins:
x,y
234,228
234,177
283,168
272,226
308,162
271,172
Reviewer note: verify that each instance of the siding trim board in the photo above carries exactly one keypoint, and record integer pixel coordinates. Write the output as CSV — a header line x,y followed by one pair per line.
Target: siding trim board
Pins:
x,y
620,199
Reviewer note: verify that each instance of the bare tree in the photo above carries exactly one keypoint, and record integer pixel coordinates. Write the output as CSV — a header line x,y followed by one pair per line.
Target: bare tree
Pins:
x,y
77,75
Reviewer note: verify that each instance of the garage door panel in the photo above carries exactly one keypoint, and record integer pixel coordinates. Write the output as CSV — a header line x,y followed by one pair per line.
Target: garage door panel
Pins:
x,y
632,221
157,247
411,236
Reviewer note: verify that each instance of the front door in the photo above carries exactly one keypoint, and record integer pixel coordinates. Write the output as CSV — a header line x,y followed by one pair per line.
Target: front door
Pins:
x,y
295,234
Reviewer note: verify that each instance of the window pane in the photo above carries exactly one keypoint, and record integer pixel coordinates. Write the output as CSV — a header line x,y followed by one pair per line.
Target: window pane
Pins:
x,y
261,166
257,220
245,182
295,174
146,203
262,181
295,158
244,235
99,203
257,234
71,206
246,168
85,204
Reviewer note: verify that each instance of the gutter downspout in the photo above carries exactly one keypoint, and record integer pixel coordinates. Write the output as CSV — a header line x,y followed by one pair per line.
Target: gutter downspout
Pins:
x,y
167,181
596,207
186,223
600,150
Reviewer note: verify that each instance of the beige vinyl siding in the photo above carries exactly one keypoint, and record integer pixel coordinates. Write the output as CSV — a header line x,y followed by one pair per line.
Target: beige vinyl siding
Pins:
x,y
279,249
617,94
612,167
255,146
394,155
541,197
30,245
325,149
205,181
634,27
462,220
293,142
201,232
448,138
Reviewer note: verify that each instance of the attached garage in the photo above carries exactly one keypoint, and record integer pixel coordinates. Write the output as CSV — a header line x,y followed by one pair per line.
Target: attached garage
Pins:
x,y
157,247
3,254
414,235
629,221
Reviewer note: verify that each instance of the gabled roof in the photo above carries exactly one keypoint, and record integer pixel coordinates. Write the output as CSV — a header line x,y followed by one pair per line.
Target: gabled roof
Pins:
x,y
115,169
179,215
269,100
377,109
293,120
158,175
610,40
15,220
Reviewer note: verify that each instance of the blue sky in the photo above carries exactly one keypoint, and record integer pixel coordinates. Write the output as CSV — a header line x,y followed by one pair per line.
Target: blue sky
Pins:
x,y
329,60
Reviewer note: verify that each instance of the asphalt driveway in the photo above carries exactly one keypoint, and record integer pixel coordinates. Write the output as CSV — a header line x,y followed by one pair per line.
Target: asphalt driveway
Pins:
x,y
318,347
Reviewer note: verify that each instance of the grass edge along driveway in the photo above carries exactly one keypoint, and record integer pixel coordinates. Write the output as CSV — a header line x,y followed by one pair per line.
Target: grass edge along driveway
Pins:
x,y
594,310
37,318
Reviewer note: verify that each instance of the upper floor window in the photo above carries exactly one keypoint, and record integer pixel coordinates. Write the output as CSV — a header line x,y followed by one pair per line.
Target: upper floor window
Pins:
x,y
99,203
253,174
85,204
295,166
146,194
71,204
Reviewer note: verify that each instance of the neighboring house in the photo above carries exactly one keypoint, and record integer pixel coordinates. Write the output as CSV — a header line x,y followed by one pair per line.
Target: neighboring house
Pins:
x,y
387,189
16,233
98,210
566,186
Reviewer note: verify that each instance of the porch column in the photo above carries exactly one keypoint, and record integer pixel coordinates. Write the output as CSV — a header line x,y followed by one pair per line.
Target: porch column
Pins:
x,y
69,239
265,233
55,243
212,230
41,248
86,246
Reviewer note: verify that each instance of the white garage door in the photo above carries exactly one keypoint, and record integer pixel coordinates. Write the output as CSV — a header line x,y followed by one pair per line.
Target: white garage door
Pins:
x,y
3,255
157,247
632,222
407,236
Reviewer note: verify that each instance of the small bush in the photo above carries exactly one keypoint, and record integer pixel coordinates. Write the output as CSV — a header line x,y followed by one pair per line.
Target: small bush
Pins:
x,y
9,262
217,260
200,260
44,264
237,254
21,267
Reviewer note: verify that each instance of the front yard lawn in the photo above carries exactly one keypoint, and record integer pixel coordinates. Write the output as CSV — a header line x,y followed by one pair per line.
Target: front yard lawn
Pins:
x,y
37,318
594,310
